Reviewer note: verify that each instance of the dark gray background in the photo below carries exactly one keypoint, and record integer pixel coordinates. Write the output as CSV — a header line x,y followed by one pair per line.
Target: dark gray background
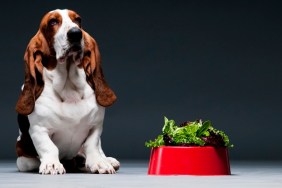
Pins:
x,y
216,60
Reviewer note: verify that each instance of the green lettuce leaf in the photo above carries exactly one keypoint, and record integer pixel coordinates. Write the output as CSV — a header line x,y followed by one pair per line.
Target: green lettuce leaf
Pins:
x,y
192,133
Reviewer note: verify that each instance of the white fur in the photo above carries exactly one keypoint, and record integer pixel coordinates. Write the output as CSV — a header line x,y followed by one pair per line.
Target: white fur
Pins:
x,y
27,164
67,118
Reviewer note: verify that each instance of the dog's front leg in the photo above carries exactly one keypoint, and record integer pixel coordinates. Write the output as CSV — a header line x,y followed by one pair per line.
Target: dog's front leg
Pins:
x,y
115,163
47,151
95,162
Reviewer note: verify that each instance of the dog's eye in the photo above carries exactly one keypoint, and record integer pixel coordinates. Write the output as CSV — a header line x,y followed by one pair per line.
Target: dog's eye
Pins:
x,y
77,21
53,22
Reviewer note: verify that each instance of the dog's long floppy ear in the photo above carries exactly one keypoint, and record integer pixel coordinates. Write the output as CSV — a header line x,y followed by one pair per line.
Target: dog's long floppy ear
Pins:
x,y
33,84
94,73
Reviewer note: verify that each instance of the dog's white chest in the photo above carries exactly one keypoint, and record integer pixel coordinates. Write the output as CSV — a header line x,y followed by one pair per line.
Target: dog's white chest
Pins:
x,y
67,108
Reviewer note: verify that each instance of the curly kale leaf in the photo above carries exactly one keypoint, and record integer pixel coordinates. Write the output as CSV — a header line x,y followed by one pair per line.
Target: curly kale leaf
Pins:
x,y
156,143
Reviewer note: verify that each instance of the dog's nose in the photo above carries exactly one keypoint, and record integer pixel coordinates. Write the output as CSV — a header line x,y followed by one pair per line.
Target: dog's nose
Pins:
x,y
74,34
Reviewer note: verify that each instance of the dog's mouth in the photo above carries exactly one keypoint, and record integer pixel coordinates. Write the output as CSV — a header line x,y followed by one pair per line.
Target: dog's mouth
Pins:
x,y
74,48
73,52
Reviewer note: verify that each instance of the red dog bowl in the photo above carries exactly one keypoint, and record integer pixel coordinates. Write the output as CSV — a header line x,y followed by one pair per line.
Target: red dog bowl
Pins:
x,y
196,160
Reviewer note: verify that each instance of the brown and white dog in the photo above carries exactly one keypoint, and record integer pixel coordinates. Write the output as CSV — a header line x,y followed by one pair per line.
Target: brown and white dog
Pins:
x,y
62,104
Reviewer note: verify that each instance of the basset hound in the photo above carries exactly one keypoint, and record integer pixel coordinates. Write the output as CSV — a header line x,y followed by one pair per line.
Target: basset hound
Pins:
x,y
62,103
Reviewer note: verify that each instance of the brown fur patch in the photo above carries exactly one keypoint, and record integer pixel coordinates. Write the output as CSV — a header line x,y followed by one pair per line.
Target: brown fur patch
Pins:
x,y
24,146
94,73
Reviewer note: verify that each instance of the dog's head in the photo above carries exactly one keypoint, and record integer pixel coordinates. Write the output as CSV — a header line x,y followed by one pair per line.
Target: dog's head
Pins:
x,y
61,39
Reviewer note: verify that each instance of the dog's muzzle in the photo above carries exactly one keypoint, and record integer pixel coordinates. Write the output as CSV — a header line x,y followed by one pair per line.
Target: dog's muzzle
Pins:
x,y
74,35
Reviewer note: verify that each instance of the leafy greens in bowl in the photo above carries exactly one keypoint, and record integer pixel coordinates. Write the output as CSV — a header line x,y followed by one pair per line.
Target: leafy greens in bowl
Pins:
x,y
196,133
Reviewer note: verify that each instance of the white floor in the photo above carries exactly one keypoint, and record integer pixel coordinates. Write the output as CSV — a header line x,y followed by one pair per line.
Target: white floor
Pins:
x,y
133,174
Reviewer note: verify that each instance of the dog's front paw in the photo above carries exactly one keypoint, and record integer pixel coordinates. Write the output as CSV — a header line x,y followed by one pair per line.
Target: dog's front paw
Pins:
x,y
115,163
99,165
51,167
